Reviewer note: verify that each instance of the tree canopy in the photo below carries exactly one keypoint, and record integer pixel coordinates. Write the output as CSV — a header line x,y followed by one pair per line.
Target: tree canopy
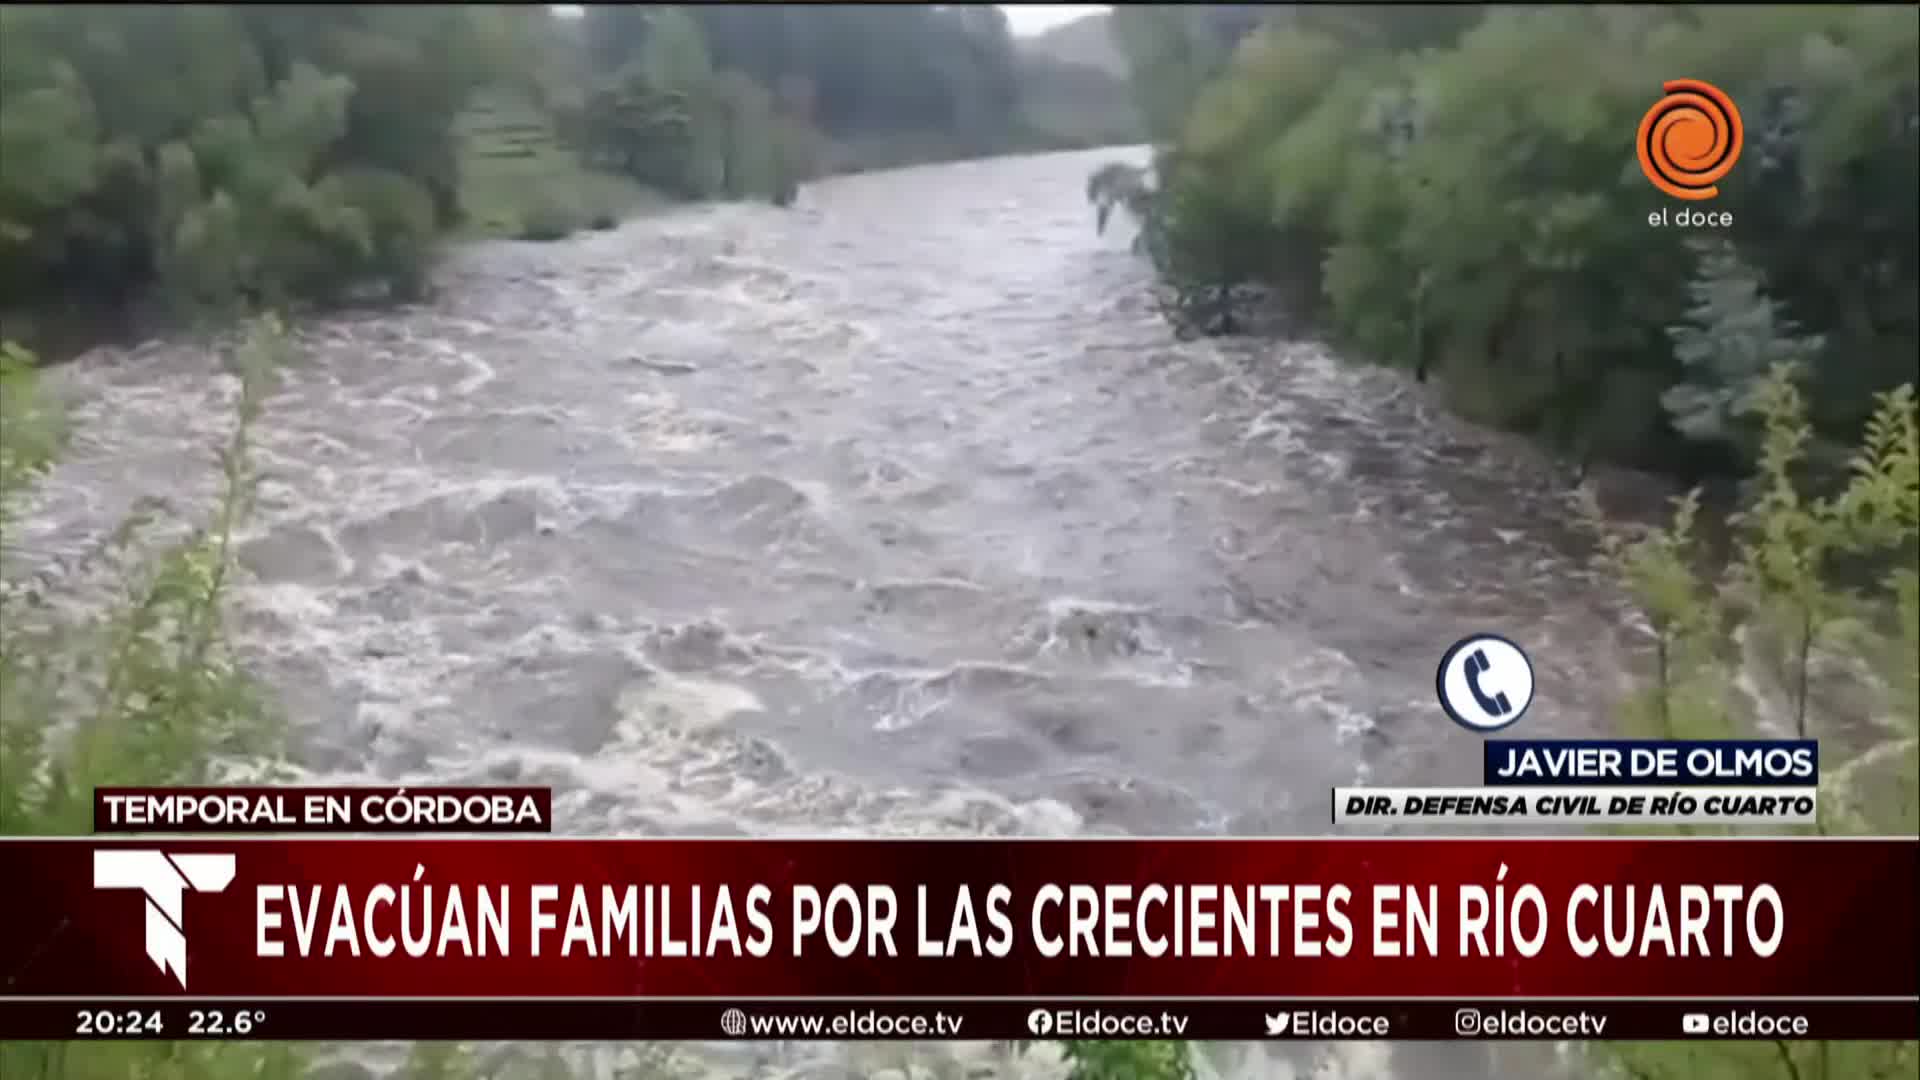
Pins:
x,y
279,152
270,154
1451,188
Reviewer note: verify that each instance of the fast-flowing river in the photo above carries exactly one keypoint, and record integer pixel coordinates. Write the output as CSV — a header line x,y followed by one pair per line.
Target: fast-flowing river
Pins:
x,y
900,511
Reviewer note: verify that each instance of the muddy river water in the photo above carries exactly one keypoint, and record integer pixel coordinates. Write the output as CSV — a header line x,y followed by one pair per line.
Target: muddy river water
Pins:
x,y
897,512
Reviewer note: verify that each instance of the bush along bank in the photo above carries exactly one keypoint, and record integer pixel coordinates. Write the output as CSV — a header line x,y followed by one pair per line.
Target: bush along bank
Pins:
x,y
195,161
208,154
1822,595
1447,189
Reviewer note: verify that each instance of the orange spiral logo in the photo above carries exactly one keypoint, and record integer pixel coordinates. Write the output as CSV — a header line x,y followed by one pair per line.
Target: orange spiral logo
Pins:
x,y
1690,139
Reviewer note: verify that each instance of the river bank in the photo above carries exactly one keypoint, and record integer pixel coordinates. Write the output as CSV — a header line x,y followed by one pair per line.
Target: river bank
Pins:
x,y
944,532
900,511
518,185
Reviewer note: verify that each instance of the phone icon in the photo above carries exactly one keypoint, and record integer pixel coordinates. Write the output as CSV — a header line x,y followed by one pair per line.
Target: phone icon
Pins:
x,y
1478,665
1485,682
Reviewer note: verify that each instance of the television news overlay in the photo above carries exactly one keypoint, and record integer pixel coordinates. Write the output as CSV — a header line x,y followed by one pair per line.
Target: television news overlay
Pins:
x,y
322,809
1611,782
1485,685
533,936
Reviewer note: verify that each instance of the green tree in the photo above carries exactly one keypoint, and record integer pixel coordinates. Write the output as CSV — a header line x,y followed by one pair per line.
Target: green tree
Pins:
x,y
1787,582
1734,337
1129,1060
668,118
1174,51
1419,185
219,155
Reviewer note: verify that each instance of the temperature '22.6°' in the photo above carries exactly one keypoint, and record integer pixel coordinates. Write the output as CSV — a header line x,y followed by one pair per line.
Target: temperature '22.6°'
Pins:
x,y
223,1022
153,1023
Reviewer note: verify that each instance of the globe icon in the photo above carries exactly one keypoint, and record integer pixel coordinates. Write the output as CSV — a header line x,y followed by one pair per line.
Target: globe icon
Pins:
x,y
733,1022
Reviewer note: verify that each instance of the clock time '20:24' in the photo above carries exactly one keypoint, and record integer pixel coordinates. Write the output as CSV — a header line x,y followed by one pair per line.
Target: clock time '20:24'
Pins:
x,y
147,1023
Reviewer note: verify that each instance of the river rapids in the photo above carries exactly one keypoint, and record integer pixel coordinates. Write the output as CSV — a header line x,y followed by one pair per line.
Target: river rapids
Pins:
x,y
898,512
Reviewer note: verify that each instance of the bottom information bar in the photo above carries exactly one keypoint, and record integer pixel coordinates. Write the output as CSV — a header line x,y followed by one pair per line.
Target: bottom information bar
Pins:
x,y
863,1019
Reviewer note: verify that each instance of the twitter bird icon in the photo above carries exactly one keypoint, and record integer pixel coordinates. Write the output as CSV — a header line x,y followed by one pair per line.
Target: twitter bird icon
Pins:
x,y
1278,1023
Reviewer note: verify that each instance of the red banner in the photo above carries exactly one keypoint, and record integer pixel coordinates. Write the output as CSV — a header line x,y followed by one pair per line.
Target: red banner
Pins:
x,y
1331,918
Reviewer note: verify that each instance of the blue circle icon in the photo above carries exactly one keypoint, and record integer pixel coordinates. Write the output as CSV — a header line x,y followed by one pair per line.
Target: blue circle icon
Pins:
x,y
1485,682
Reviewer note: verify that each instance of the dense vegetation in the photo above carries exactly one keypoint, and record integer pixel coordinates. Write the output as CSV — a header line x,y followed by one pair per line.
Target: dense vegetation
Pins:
x,y
1781,615
859,87
274,154
1451,189
135,684
227,151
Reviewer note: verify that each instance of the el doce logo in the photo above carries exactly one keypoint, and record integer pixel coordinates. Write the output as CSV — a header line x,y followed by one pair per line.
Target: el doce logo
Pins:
x,y
1690,139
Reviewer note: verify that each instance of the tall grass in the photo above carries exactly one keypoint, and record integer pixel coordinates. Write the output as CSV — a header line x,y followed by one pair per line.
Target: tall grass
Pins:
x,y
140,686
1789,605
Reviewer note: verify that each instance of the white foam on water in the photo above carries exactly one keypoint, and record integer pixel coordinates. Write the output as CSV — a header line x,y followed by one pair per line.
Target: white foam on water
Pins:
x,y
609,515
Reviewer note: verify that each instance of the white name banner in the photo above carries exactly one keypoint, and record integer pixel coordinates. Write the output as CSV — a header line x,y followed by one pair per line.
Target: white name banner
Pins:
x,y
1575,806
